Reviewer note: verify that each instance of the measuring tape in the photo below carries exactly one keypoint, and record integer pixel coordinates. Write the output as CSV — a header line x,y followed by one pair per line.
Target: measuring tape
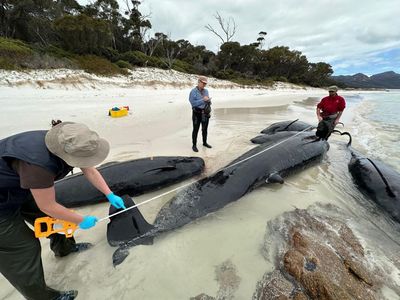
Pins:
x,y
46,226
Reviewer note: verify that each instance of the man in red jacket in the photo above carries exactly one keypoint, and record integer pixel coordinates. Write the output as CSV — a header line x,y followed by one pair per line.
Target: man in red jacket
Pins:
x,y
329,111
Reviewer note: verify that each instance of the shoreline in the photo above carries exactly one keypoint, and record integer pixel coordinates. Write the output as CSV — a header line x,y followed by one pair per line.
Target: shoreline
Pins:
x,y
159,123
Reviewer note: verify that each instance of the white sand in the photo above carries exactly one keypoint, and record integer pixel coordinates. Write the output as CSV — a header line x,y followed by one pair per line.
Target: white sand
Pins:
x,y
159,123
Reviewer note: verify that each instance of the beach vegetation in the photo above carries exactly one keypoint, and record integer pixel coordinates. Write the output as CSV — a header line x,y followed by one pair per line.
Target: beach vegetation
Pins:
x,y
98,65
108,37
182,66
123,64
138,58
13,53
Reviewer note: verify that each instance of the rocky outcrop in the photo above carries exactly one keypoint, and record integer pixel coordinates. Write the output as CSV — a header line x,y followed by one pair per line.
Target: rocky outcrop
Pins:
x,y
318,257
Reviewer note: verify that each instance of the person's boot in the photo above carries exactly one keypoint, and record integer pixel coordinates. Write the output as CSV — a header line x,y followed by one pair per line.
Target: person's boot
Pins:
x,y
207,145
194,148
68,295
79,247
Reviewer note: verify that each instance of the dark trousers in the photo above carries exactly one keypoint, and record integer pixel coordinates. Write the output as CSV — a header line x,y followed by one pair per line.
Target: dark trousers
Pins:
x,y
325,128
20,253
197,119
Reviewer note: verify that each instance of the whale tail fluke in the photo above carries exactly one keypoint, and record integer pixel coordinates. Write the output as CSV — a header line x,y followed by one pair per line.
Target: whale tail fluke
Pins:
x,y
128,226
119,256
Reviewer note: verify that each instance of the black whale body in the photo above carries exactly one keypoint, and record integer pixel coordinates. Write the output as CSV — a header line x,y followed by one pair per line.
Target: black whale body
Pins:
x,y
132,177
294,125
214,192
378,182
268,138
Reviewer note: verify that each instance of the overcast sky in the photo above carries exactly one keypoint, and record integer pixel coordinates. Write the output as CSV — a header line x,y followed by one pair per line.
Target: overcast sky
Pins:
x,y
351,35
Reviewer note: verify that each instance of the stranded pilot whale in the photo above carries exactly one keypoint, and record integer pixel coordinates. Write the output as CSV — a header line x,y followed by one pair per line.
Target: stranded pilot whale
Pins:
x,y
294,125
269,162
133,177
377,181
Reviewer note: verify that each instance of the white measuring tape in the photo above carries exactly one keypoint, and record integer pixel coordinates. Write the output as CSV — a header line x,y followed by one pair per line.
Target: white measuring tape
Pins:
x,y
187,184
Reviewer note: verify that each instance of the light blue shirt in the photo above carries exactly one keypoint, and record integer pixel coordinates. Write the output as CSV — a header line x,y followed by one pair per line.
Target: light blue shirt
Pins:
x,y
196,97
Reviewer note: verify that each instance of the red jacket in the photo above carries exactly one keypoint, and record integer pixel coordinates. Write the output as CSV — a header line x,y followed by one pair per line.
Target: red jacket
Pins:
x,y
331,105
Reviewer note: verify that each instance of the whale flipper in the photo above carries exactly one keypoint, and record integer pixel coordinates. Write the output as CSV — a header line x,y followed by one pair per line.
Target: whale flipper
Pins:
x,y
274,178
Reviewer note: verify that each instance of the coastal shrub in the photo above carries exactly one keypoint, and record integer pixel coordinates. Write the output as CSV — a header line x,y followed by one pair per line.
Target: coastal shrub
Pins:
x,y
14,53
46,61
280,78
98,65
183,67
14,48
57,52
7,64
226,74
157,62
123,64
135,58
111,54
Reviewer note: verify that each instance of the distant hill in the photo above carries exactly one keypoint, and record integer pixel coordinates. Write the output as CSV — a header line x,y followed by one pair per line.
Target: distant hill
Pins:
x,y
388,80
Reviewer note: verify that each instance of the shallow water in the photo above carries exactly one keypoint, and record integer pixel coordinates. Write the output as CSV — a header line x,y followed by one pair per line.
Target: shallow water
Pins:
x,y
183,263
191,255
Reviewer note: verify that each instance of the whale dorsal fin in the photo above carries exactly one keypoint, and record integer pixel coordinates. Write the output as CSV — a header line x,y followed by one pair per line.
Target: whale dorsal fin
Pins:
x,y
274,178
286,128
388,189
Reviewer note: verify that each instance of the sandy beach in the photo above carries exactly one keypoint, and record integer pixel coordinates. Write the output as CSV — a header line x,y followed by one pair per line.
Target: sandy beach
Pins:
x,y
181,264
159,121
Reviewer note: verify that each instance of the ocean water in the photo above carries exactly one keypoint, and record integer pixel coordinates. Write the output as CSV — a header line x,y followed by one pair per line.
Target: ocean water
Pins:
x,y
186,262
376,126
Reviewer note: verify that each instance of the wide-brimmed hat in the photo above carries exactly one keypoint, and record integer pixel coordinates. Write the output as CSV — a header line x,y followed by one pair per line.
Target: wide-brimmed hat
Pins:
x,y
333,88
77,145
203,79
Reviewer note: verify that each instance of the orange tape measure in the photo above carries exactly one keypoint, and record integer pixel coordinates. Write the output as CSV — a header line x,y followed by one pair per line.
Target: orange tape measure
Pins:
x,y
46,226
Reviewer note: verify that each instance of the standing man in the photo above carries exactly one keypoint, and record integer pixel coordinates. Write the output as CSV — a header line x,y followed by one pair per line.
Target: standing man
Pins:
x,y
201,107
329,111
30,162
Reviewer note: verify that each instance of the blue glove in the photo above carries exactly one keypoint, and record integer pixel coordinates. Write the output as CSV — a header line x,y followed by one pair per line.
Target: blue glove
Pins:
x,y
88,222
115,200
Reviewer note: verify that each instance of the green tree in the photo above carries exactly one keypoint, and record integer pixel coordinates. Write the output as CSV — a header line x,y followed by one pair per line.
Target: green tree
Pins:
x,y
32,20
238,58
135,26
318,74
83,34
281,62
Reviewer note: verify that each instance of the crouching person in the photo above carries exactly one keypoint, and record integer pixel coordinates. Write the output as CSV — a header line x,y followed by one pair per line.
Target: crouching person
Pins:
x,y
329,111
30,162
